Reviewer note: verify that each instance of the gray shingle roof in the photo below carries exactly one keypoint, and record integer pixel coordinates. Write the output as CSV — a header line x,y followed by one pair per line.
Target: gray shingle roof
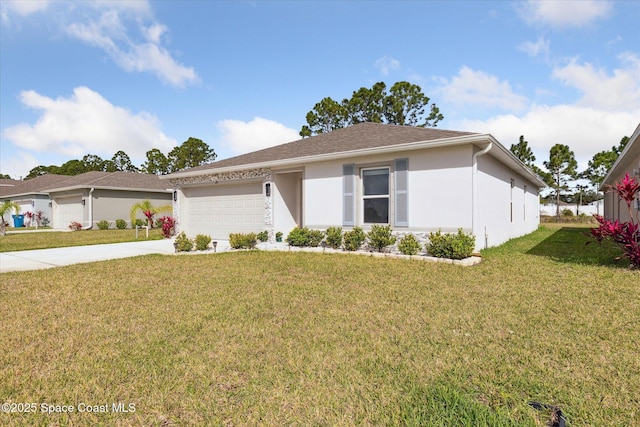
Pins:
x,y
357,137
112,180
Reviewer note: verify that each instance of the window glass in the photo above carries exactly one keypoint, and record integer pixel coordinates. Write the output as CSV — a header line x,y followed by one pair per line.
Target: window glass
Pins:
x,y
376,182
376,210
375,196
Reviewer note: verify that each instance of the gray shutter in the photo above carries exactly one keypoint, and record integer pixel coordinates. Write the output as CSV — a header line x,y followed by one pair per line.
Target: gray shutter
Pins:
x,y
401,193
349,195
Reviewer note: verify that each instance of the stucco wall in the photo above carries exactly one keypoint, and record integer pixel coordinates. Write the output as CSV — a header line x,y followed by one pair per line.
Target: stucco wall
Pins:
x,y
113,204
504,212
287,201
614,207
439,188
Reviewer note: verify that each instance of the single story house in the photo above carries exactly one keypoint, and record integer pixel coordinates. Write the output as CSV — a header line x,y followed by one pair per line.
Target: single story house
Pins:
x,y
628,162
89,197
31,194
415,179
94,196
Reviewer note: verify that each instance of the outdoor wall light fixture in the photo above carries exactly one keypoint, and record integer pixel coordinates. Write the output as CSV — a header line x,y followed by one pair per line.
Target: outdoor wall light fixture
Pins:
x,y
267,189
50,204
83,202
175,196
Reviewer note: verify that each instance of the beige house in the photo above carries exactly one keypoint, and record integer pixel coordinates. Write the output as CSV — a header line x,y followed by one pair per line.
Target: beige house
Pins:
x,y
628,162
87,198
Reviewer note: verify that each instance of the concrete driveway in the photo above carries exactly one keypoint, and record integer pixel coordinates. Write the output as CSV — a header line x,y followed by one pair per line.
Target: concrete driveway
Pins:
x,y
57,257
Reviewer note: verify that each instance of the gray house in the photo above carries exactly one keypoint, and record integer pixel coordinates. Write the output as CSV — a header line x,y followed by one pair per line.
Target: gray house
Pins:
x,y
87,198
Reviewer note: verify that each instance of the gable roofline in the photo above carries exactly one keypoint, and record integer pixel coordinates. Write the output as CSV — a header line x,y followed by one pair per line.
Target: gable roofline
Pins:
x,y
631,150
498,150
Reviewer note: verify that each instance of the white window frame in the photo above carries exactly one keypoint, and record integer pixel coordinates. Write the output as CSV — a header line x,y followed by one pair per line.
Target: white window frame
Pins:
x,y
364,197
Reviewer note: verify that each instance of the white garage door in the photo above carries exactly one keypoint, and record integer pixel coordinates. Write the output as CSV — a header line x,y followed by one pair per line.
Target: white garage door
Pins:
x,y
218,211
66,210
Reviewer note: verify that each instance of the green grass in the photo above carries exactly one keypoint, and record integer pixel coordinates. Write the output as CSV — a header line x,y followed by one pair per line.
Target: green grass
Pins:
x,y
277,338
57,239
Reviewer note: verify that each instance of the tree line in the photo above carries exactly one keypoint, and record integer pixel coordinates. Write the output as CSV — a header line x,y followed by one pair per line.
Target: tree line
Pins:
x,y
403,104
192,152
562,170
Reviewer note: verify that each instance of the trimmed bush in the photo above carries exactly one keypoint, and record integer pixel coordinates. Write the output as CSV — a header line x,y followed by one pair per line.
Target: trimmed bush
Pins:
x,y
263,236
409,245
314,237
243,241
305,237
352,240
183,243
121,224
139,223
567,213
380,237
103,224
202,242
334,237
452,246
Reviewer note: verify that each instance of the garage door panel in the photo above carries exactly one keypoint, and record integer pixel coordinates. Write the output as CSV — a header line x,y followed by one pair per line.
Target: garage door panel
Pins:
x,y
66,210
218,210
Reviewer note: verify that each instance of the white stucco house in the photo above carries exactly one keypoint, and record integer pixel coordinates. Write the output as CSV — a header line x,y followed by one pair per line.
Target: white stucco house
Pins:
x,y
628,162
415,179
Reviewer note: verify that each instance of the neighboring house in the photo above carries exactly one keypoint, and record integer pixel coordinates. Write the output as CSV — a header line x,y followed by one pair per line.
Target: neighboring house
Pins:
x,y
31,194
415,179
89,197
628,162
94,196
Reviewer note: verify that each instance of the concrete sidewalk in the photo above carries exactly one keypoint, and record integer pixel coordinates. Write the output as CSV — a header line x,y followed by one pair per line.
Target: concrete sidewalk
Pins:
x,y
57,257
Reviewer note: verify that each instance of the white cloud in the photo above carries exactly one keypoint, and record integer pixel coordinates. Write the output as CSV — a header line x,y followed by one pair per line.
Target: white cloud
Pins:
x,y
86,123
480,88
619,91
17,164
565,13
243,137
24,7
387,64
540,46
585,130
111,34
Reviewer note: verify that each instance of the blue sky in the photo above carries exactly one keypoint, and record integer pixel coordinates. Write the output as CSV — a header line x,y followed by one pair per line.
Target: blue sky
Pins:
x,y
87,77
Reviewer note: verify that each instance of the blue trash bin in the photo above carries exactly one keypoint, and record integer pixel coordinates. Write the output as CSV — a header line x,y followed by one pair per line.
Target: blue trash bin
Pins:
x,y
18,220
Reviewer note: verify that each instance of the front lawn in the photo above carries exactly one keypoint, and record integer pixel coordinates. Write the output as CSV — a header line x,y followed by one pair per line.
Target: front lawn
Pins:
x,y
277,338
57,239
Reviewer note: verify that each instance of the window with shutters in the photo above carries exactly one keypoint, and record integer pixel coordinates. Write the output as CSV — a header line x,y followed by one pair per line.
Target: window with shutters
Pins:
x,y
375,195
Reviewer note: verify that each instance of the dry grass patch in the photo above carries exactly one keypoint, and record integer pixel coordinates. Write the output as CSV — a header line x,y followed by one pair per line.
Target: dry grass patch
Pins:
x,y
266,338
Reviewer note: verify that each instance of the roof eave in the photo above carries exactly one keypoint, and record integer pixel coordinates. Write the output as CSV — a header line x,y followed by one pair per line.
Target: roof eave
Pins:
x,y
106,187
616,169
409,146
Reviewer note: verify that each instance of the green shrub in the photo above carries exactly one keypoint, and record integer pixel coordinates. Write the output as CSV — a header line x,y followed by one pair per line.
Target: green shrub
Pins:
x,y
452,246
243,241
380,236
298,236
409,245
314,237
139,223
353,239
334,237
279,236
202,242
121,224
263,236
567,213
183,243
305,237
103,224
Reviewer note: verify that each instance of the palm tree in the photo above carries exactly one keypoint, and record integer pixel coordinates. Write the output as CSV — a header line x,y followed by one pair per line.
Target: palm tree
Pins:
x,y
5,208
148,210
